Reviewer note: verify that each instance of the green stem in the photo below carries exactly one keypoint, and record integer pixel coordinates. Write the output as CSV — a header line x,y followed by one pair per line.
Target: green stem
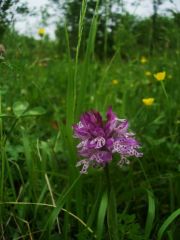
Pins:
x,y
108,186
164,90
145,175
108,180
168,108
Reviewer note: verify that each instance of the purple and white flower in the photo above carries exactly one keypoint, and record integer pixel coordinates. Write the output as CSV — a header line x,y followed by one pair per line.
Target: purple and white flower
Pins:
x,y
99,140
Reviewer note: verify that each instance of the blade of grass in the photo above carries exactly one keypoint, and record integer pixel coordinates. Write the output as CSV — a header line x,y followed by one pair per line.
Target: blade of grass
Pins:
x,y
80,220
38,204
93,212
85,68
167,222
112,216
48,185
2,154
30,164
101,215
150,215
70,116
59,204
80,31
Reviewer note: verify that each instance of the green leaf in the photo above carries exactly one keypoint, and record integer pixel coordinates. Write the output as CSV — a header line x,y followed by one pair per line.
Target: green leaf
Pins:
x,y
150,215
35,111
167,222
3,115
101,215
112,216
19,108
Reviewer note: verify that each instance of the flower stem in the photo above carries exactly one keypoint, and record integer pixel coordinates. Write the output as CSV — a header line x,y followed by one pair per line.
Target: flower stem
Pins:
x,y
108,180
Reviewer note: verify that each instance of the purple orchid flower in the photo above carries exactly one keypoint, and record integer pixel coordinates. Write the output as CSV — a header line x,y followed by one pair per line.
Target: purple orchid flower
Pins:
x,y
99,140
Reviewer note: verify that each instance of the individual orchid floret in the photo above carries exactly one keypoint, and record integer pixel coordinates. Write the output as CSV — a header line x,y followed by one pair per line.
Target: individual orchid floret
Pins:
x,y
99,140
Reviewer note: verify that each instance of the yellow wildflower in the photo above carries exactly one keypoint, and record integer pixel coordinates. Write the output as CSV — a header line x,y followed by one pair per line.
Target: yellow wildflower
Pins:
x,y
160,76
24,91
115,82
148,73
148,101
8,109
41,32
143,60
92,98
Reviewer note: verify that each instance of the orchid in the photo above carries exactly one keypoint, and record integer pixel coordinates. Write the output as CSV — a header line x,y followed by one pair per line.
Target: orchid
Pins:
x,y
99,140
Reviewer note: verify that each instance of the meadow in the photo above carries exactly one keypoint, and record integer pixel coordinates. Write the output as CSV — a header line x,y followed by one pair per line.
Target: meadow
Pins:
x,y
42,94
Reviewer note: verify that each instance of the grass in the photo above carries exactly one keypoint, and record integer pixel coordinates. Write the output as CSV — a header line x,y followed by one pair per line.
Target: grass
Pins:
x,y
42,194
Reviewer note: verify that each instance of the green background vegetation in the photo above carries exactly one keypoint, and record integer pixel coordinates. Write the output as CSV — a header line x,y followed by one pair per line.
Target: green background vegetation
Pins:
x,y
45,86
